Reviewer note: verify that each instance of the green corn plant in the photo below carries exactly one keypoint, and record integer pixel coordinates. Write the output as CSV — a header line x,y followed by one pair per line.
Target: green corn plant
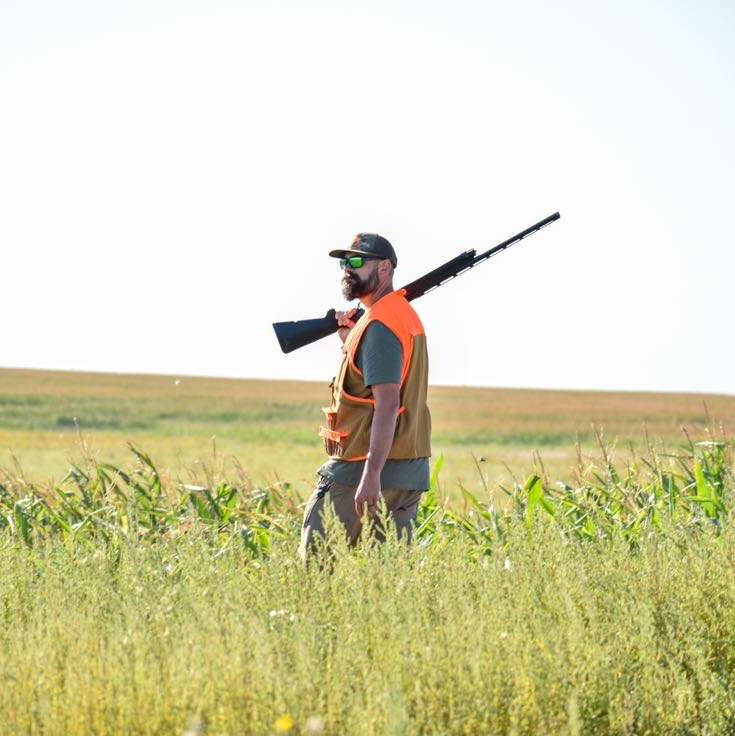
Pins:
x,y
427,516
101,502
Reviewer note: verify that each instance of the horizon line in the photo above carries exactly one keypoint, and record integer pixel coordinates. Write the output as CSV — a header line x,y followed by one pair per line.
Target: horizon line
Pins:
x,y
148,374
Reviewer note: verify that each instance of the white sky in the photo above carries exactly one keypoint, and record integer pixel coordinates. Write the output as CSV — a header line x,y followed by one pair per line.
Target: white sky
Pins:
x,y
172,175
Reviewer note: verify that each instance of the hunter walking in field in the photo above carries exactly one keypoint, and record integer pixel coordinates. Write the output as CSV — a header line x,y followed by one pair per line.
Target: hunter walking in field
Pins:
x,y
378,427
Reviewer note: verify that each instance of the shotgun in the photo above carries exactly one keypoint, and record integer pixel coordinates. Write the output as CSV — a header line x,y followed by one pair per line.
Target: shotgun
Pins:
x,y
294,335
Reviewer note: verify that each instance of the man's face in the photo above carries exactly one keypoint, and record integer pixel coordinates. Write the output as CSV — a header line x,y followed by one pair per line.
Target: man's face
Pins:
x,y
357,282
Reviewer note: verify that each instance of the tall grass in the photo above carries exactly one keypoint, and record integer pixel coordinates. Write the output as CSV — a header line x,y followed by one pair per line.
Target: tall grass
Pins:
x,y
99,502
133,602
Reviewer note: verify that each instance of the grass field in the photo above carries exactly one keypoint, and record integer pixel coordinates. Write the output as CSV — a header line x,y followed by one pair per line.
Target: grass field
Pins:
x,y
270,427
165,596
134,604
560,639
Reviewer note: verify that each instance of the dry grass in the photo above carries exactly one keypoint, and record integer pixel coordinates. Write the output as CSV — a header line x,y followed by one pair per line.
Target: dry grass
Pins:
x,y
269,426
540,637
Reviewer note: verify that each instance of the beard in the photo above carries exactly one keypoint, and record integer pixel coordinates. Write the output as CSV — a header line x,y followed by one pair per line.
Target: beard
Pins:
x,y
353,287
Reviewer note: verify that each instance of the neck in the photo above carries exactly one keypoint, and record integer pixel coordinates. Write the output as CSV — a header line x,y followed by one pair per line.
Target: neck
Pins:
x,y
369,299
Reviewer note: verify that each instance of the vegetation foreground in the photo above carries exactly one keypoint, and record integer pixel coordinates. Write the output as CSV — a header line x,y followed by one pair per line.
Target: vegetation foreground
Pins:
x,y
133,603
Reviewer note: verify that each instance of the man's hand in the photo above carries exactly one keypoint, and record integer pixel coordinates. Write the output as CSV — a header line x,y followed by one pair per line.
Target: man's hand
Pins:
x,y
345,323
367,495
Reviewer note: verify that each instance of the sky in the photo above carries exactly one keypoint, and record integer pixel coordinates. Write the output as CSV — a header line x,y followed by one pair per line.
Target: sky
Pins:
x,y
173,175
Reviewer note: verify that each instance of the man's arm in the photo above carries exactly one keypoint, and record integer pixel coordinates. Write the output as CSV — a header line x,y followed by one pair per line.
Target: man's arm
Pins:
x,y
387,402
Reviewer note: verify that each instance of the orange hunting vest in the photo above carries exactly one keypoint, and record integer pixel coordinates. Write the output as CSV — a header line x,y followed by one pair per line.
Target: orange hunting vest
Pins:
x,y
350,413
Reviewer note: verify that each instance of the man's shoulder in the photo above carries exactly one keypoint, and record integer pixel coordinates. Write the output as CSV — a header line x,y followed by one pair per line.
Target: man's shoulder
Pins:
x,y
380,354
379,340
378,332
403,316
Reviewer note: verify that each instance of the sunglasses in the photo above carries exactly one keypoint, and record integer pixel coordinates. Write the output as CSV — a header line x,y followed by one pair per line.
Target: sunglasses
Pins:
x,y
356,261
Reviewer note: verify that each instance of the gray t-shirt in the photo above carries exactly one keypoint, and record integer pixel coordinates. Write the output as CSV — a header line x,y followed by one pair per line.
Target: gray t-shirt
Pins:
x,y
380,358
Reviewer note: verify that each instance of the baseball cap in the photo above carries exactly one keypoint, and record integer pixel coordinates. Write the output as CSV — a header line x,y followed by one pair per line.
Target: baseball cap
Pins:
x,y
368,244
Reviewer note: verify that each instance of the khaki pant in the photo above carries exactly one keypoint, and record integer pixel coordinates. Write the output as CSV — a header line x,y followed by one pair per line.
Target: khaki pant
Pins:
x,y
402,506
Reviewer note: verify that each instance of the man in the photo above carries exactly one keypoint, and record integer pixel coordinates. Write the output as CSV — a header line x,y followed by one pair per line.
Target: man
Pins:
x,y
378,427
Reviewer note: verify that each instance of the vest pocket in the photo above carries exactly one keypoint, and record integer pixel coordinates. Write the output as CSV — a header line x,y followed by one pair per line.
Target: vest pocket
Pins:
x,y
347,434
330,435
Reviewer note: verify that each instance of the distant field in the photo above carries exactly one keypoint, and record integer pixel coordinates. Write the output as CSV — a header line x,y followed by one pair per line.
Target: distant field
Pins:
x,y
270,426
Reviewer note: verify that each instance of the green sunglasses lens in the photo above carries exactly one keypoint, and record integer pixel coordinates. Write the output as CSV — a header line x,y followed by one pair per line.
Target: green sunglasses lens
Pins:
x,y
352,262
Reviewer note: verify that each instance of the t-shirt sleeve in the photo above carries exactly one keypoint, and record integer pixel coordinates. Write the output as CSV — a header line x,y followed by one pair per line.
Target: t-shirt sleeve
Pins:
x,y
380,355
